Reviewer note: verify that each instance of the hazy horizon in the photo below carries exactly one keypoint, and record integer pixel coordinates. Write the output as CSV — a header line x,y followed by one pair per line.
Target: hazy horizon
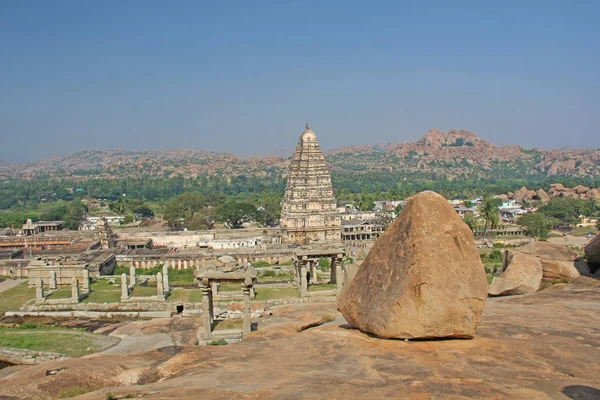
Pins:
x,y
242,78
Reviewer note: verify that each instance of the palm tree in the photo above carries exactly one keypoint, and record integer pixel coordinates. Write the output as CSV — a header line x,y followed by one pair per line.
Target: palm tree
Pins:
x,y
489,212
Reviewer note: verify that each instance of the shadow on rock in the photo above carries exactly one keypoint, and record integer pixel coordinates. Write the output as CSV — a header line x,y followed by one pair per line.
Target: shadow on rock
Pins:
x,y
579,392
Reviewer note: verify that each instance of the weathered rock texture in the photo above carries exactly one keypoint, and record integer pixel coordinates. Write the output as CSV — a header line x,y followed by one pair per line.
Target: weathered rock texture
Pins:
x,y
535,267
592,251
309,210
422,279
543,346
523,275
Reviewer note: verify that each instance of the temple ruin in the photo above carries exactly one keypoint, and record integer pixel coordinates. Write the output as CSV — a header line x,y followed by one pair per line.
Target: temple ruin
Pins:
x,y
309,212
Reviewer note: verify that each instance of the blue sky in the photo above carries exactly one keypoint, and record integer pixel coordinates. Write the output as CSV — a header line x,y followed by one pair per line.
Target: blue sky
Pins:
x,y
242,77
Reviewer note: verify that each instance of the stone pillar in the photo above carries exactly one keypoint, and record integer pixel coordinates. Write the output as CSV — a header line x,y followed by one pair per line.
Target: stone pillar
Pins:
x,y
74,289
303,282
124,288
160,289
39,290
86,281
214,288
247,322
339,275
206,311
165,274
314,270
132,277
333,275
53,280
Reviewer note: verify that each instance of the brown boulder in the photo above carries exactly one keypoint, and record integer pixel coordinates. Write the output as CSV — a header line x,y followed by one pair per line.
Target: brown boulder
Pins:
x,y
592,250
555,271
423,277
505,287
579,189
523,274
558,261
523,195
542,196
594,194
549,250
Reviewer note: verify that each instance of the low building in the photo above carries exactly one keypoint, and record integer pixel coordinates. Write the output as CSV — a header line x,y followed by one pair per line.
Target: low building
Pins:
x,y
358,230
33,228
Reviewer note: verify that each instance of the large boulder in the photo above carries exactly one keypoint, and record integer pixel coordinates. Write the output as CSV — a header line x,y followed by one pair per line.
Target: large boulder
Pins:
x,y
423,278
523,274
549,250
558,261
522,195
592,250
542,196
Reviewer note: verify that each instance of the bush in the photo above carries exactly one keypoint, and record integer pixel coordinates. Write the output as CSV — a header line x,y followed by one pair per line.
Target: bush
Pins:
x,y
269,274
261,264
324,264
220,342
498,245
495,255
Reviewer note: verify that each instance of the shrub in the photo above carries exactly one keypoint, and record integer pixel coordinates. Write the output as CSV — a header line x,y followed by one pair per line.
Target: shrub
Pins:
x,y
220,342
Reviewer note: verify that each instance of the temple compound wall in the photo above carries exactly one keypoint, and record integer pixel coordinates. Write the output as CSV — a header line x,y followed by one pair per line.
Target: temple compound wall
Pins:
x,y
62,270
309,211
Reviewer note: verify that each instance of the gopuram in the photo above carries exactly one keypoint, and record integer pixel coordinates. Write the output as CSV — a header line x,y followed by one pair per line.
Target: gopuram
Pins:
x,y
309,212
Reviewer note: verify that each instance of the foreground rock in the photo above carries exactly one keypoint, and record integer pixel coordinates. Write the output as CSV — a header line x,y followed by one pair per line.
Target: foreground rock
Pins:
x,y
543,346
592,251
423,278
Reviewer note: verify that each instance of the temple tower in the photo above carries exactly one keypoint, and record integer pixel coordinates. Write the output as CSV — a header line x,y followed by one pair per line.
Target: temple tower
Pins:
x,y
309,211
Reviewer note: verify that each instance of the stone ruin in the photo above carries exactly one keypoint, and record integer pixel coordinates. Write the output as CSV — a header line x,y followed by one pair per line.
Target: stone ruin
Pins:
x,y
209,277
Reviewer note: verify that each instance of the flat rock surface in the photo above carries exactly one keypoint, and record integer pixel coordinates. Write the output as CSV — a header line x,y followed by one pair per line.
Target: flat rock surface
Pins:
x,y
543,345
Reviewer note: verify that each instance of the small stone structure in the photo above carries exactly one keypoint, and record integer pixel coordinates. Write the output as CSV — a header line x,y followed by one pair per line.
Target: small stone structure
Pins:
x,y
132,278
230,272
53,285
64,268
306,263
74,289
39,290
124,288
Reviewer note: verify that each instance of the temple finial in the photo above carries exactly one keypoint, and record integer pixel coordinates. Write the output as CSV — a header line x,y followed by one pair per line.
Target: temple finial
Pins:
x,y
307,127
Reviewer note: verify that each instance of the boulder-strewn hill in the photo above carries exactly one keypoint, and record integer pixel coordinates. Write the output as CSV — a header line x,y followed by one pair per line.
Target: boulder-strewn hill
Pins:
x,y
453,154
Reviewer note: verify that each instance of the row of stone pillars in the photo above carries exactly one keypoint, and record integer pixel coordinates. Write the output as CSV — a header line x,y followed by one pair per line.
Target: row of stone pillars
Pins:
x,y
306,266
52,285
208,312
162,283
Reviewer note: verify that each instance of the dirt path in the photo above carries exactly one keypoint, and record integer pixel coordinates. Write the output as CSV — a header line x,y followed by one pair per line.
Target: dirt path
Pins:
x,y
10,283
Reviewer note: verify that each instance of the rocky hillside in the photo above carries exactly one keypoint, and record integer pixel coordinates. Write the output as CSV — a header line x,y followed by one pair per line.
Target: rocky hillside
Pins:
x,y
454,154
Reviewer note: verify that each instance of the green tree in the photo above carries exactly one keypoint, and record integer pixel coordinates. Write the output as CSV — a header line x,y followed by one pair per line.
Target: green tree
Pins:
x,y
472,222
489,212
235,213
270,208
74,214
203,219
181,210
536,225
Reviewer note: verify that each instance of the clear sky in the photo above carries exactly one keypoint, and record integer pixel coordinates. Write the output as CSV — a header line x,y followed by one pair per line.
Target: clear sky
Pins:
x,y
243,76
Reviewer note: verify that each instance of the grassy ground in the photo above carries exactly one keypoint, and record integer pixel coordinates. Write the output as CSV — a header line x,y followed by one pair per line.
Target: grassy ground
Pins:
x,y
276,293
61,293
278,277
229,324
321,286
185,296
73,343
584,231
143,291
13,299
230,287
104,292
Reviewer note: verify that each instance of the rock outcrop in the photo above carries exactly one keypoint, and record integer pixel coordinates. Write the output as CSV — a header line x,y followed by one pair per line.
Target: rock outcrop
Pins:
x,y
592,251
423,277
523,275
556,190
534,267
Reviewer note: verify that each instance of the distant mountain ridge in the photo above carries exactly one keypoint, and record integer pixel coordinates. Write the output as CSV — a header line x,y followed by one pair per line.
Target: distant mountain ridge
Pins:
x,y
453,154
